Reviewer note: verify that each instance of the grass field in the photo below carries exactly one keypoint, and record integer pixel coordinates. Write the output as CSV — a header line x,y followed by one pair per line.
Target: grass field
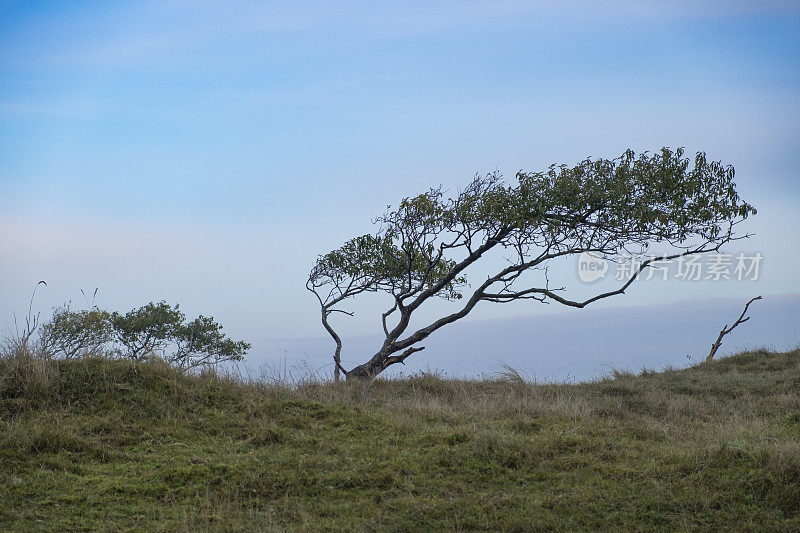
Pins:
x,y
98,444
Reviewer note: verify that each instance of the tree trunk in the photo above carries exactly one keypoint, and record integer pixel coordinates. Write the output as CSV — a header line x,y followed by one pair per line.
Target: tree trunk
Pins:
x,y
381,361
370,369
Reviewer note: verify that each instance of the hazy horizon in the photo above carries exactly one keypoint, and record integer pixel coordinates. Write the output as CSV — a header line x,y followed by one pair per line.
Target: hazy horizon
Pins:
x,y
574,345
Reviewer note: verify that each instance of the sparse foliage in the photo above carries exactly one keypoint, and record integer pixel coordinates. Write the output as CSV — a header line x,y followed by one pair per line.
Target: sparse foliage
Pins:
x,y
75,333
201,342
147,329
607,207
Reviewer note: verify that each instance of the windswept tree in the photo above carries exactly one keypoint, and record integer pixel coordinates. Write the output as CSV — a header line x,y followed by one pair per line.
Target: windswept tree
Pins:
x,y
607,207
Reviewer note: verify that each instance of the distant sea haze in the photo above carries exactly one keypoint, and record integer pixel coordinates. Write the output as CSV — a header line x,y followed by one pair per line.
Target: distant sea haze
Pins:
x,y
578,345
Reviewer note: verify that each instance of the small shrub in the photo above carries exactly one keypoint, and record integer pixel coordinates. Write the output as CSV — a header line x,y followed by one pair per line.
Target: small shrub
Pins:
x,y
75,333
201,342
145,330
155,329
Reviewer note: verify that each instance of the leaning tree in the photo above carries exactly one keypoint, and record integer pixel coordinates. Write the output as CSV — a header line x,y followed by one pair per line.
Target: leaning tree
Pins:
x,y
423,249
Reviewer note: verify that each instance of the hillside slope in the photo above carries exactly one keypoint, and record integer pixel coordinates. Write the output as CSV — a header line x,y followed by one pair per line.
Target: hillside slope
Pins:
x,y
108,444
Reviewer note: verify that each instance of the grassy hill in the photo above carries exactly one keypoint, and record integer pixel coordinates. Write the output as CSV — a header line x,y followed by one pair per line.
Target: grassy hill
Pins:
x,y
103,444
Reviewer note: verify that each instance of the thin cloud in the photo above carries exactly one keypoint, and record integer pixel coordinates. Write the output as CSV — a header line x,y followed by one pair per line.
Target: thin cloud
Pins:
x,y
161,32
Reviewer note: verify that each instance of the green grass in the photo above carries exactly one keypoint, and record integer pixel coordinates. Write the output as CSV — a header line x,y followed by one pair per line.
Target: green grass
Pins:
x,y
97,444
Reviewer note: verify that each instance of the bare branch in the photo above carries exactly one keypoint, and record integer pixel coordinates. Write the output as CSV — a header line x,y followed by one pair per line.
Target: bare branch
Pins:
x,y
400,358
725,330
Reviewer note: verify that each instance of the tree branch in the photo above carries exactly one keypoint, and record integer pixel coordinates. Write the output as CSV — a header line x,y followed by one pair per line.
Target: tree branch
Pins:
x,y
725,330
393,359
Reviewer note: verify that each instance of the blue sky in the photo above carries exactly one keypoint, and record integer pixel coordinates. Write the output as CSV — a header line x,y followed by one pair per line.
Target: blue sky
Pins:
x,y
205,153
